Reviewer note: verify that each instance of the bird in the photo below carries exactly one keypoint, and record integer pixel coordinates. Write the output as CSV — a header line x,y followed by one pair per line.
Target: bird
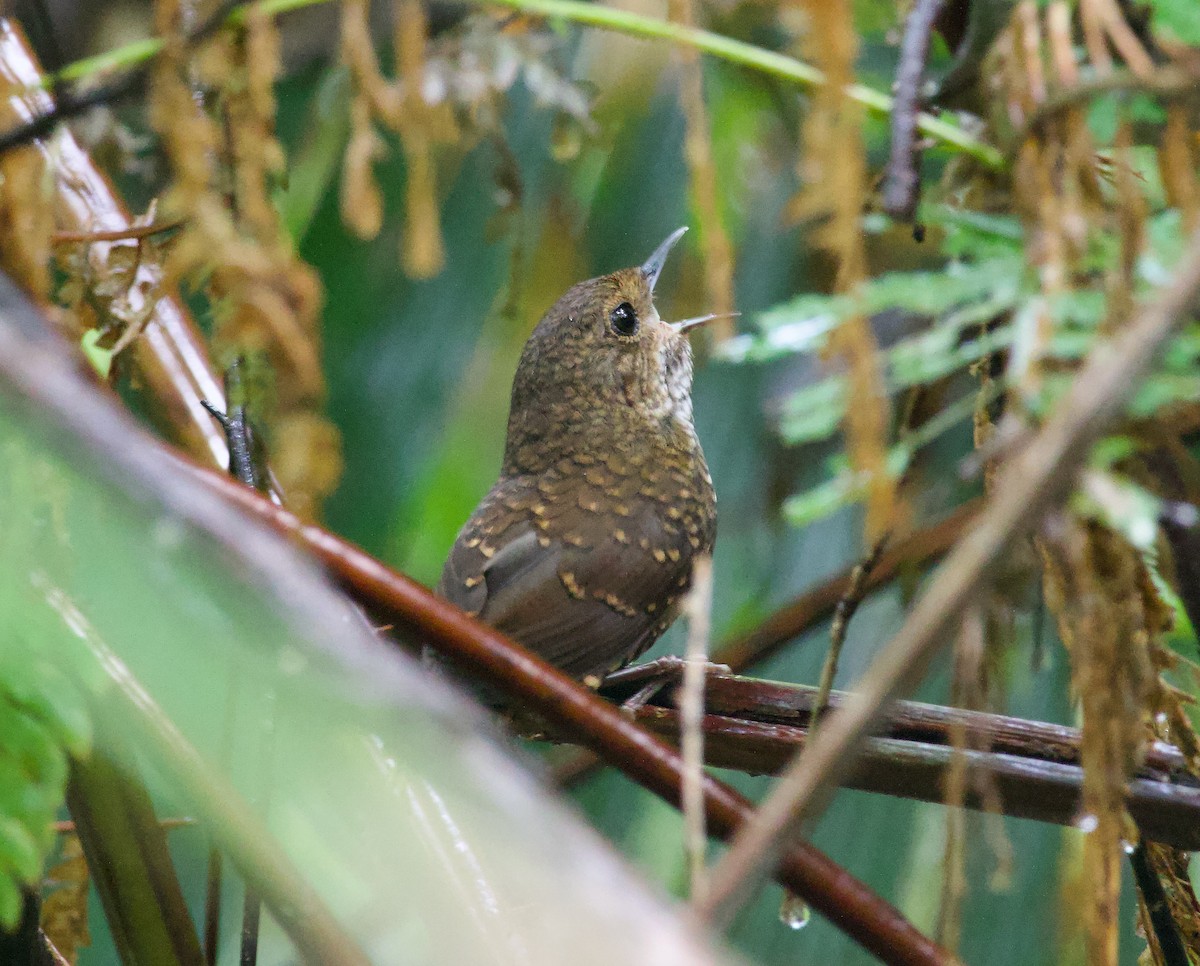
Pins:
x,y
582,551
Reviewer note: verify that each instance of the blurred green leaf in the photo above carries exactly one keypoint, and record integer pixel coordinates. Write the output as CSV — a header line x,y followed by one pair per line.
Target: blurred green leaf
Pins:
x,y
1177,20
316,158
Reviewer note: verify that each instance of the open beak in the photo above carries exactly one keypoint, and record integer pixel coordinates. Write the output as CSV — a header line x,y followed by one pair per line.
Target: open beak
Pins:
x,y
686,326
653,265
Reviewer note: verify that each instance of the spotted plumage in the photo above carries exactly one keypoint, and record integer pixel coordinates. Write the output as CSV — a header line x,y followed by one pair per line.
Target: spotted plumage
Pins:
x,y
583,549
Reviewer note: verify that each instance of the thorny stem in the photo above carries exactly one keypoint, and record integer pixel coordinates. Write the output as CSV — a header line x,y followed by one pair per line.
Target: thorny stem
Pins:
x,y
1035,480
622,21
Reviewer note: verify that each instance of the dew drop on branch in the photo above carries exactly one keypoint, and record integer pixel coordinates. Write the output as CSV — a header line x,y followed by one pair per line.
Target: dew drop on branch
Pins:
x,y
794,911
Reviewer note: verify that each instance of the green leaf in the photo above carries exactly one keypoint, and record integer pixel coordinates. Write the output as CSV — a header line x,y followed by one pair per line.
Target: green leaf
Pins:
x,y
19,852
11,903
100,358
315,162
1177,20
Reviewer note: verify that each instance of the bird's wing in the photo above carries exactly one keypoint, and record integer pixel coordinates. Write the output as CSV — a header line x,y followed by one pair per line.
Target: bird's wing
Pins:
x,y
587,590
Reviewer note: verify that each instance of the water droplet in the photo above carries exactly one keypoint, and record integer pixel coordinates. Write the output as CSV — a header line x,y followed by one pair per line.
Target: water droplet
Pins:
x,y
1087,823
793,911
1128,847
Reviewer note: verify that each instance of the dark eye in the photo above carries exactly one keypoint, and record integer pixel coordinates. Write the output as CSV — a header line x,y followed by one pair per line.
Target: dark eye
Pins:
x,y
623,319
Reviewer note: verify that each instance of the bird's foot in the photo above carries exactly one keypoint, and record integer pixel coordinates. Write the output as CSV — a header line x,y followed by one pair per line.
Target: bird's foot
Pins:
x,y
642,683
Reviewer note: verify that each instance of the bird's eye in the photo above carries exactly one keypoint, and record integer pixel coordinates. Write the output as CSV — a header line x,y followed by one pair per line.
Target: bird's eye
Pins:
x,y
624,320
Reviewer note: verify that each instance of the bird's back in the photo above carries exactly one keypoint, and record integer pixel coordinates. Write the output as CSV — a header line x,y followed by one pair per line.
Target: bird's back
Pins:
x,y
585,562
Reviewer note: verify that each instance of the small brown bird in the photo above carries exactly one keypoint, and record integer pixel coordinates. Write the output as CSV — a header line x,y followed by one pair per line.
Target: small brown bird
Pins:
x,y
583,549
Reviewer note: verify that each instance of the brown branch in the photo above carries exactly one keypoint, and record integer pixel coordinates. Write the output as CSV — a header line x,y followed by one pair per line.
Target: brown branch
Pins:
x,y
1167,82
900,190
757,726
115,234
1035,480
773,702
576,714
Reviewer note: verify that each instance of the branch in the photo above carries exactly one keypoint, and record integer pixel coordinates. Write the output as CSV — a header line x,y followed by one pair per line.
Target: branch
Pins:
x,y
902,177
1037,479
758,726
171,355
1166,82
576,714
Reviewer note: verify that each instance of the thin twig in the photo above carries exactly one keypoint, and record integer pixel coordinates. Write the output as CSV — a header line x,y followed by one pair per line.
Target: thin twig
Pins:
x,y
252,900
116,234
842,615
57,958
1036,479
213,874
67,827
1167,82
691,715
902,177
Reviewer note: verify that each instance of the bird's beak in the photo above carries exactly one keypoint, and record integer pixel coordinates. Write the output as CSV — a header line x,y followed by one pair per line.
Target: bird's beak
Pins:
x,y
686,326
653,265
